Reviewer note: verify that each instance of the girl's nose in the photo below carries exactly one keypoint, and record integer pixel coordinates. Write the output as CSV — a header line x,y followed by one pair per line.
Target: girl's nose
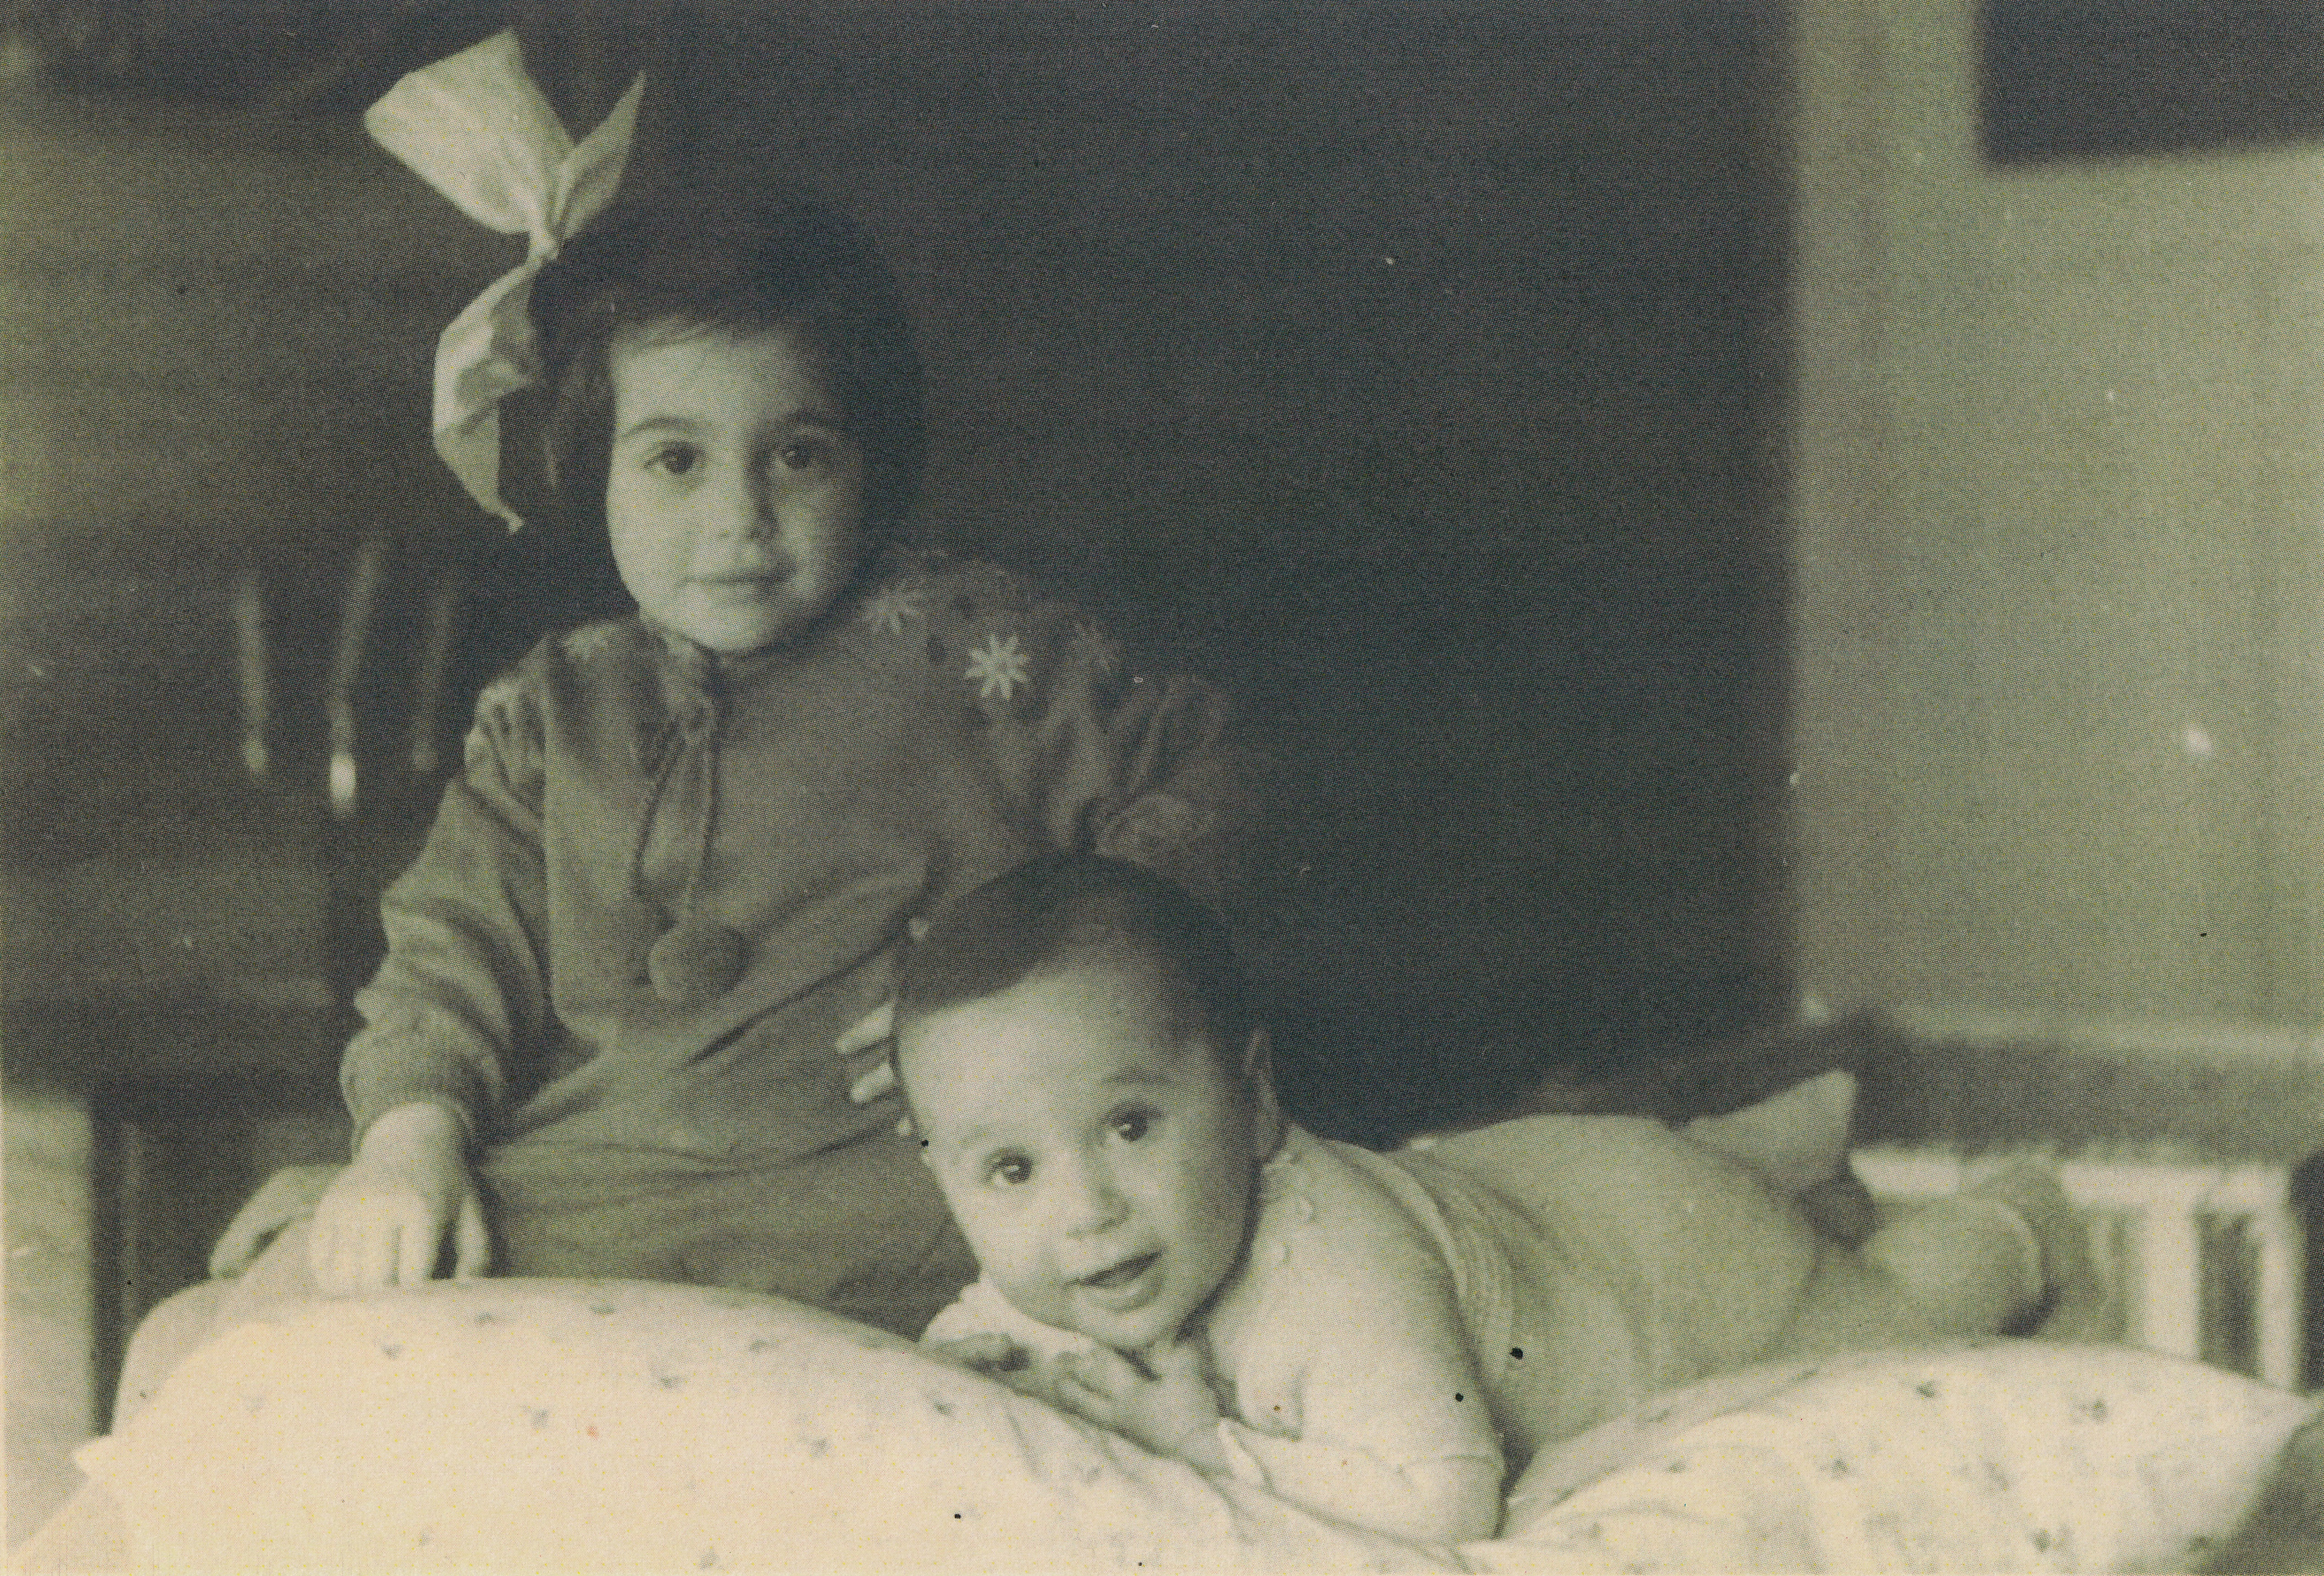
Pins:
x,y
743,507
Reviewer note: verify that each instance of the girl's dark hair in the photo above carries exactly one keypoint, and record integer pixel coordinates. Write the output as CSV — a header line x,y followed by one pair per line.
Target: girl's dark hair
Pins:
x,y
1058,909
774,260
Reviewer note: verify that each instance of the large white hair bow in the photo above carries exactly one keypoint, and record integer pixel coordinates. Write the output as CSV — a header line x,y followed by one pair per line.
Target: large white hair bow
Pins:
x,y
476,126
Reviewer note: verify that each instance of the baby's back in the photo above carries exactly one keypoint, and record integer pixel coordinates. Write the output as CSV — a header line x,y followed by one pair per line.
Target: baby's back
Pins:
x,y
1598,1260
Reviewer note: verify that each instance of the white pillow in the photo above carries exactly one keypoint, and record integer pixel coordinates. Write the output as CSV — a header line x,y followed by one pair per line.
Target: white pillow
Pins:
x,y
571,1425
2012,1456
568,1425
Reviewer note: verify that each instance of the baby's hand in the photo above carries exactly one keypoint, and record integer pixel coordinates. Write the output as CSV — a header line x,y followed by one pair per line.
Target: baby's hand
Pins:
x,y
998,1357
987,1352
383,1219
1168,1408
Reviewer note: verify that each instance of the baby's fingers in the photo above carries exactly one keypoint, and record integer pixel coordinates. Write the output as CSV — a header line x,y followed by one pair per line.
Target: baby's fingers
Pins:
x,y
1082,1396
1178,1362
1172,1356
989,1352
1104,1370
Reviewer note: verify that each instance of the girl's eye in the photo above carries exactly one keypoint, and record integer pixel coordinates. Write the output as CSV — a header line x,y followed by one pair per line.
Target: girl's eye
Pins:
x,y
1011,1170
674,459
804,454
1131,1126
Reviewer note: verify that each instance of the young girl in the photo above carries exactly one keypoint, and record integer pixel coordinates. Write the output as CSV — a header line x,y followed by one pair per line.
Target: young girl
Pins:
x,y
687,843
1383,1339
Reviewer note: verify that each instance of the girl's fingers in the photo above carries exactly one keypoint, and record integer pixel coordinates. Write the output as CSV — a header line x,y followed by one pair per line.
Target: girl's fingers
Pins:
x,y
472,1245
322,1252
372,1263
878,1082
873,1028
417,1249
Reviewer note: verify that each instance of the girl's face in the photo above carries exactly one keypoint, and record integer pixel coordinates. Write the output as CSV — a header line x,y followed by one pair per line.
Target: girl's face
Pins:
x,y
1102,1167
736,497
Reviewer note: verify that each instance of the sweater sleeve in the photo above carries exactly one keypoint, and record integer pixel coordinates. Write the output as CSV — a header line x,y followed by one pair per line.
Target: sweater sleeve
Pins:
x,y
464,980
1109,758
1445,1498
1376,1413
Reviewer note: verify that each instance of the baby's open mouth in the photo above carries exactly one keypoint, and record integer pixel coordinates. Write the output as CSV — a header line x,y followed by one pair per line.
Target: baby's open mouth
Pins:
x,y
1123,1273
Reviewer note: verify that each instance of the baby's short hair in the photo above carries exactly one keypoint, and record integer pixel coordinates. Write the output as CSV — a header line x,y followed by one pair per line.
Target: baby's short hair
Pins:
x,y
739,263
1058,910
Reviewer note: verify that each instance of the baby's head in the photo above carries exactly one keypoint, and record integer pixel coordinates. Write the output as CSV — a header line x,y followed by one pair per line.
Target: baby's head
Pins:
x,y
733,383
1091,1093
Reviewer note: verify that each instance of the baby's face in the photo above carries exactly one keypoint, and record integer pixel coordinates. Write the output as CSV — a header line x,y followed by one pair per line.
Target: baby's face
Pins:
x,y
1102,1168
736,497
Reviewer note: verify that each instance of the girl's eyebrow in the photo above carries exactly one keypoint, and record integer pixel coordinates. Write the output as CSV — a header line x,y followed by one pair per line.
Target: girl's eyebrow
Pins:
x,y
810,417
658,423
814,416
1141,1078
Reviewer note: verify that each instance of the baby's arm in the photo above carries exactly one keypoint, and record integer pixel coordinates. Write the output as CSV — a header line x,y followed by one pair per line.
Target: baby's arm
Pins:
x,y
1361,1397
1167,1406
983,1331
1373,1412
1349,1462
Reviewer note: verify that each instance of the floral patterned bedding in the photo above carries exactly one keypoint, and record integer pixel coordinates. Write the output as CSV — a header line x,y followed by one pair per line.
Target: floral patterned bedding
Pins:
x,y
595,1426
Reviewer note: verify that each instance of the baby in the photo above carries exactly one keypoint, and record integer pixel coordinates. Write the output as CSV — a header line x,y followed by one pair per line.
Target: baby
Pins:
x,y
1385,1338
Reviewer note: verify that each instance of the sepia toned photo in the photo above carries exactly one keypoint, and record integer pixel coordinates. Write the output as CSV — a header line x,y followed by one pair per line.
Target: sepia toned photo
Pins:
x,y
1526,785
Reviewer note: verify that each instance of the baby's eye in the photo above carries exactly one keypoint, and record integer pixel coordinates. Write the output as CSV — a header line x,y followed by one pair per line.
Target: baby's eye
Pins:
x,y
1010,1170
674,459
1132,1125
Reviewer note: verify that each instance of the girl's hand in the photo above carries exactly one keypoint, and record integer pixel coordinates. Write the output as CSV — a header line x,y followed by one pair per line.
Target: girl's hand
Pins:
x,y
384,1220
876,1031
1169,1408
872,1031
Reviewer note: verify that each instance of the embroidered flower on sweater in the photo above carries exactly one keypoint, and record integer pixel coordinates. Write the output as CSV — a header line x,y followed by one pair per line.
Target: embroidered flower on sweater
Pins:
x,y
997,667
891,607
590,640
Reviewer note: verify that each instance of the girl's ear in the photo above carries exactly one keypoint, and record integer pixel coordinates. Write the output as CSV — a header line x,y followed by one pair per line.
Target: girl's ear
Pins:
x,y
1259,1078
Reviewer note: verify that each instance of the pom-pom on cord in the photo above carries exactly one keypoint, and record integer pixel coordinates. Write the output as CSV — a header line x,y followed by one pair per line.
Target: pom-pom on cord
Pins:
x,y
695,962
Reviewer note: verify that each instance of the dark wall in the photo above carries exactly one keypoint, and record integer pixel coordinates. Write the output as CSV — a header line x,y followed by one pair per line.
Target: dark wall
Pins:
x,y
1418,370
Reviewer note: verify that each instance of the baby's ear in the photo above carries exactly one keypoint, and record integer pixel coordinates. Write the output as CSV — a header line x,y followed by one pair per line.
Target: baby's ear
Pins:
x,y
1258,1077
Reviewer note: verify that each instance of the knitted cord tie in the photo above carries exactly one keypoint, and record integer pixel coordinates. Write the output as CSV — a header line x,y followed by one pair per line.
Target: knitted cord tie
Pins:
x,y
697,959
